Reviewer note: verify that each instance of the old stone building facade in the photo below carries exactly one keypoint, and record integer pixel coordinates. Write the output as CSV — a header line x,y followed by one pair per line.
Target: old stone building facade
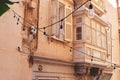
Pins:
x,y
82,46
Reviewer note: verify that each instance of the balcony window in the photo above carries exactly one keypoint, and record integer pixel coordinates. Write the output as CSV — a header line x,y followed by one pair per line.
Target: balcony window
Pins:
x,y
79,33
88,33
95,33
78,29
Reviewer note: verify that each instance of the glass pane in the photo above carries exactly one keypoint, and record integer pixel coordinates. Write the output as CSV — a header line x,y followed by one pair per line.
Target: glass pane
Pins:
x,y
87,21
98,27
94,24
88,33
94,36
103,30
78,30
79,20
78,36
96,53
98,38
79,33
103,41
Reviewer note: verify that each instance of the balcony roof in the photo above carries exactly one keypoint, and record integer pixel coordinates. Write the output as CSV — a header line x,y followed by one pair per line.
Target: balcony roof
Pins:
x,y
97,8
84,10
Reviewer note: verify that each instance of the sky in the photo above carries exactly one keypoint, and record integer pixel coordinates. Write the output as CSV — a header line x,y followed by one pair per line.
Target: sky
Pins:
x,y
113,2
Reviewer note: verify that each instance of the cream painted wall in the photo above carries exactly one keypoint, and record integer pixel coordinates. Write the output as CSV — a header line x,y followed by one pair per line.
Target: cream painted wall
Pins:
x,y
112,17
13,64
46,48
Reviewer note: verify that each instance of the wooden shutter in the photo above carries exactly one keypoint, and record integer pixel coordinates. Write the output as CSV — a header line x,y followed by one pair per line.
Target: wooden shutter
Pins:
x,y
54,16
68,24
109,42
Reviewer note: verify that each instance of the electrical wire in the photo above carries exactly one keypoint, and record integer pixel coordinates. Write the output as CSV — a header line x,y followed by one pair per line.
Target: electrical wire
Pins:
x,y
16,14
115,65
66,16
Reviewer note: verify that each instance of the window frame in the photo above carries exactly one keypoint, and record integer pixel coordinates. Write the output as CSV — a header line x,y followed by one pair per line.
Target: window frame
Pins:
x,y
98,32
78,33
57,33
78,24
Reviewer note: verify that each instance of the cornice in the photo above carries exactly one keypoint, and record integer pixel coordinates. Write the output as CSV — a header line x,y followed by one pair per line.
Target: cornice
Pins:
x,y
84,11
38,58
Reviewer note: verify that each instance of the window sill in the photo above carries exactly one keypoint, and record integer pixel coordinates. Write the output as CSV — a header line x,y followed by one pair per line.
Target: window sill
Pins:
x,y
53,38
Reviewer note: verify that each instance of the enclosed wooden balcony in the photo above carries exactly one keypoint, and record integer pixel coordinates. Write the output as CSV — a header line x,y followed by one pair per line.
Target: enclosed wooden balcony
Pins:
x,y
92,39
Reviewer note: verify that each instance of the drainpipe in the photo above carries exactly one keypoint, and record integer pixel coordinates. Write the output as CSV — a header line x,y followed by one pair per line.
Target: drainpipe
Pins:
x,y
74,3
111,40
38,7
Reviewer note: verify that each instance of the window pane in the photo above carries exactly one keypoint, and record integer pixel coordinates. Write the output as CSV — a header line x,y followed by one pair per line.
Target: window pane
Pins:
x,y
96,53
79,36
79,20
98,38
93,24
103,41
61,11
87,21
103,30
88,33
94,36
79,30
79,33
98,27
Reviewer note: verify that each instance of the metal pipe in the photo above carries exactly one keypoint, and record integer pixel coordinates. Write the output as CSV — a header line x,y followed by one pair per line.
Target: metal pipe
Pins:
x,y
38,7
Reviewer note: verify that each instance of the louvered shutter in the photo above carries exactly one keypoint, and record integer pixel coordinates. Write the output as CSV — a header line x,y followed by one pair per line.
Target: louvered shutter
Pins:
x,y
54,16
68,24
78,25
